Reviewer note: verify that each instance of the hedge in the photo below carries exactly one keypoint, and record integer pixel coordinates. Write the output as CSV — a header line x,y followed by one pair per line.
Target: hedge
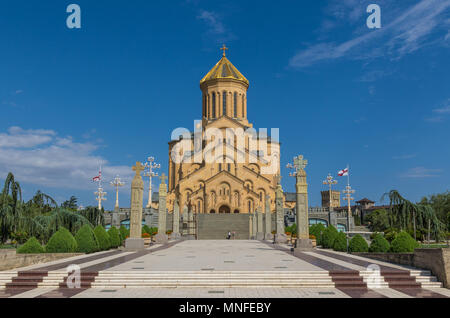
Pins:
x,y
379,244
403,243
124,232
86,240
32,246
103,240
62,241
317,231
328,236
340,243
146,229
358,244
114,237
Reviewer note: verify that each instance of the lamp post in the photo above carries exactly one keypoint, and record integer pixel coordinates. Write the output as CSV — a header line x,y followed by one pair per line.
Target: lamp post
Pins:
x,y
348,197
116,183
330,182
100,196
149,166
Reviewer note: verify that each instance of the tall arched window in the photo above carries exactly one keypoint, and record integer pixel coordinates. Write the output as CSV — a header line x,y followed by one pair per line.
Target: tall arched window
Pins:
x,y
235,105
243,105
224,103
213,105
204,105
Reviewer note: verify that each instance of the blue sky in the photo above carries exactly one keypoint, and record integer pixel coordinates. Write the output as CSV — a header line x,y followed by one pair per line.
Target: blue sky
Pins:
x,y
112,91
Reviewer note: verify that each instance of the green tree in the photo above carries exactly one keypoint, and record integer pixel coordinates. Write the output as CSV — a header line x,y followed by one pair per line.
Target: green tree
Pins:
x,y
61,242
404,243
70,204
328,236
32,246
379,220
114,237
317,231
103,239
340,243
358,244
405,214
379,244
86,240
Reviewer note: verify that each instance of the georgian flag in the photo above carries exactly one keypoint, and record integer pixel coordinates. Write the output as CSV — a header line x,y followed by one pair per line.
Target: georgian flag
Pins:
x,y
97,178
343,172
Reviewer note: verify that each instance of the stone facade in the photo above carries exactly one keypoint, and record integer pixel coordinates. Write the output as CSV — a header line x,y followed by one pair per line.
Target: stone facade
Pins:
x,y
226,185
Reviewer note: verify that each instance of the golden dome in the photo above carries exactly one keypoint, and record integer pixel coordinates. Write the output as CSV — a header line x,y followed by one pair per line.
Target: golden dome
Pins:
x,y
224,69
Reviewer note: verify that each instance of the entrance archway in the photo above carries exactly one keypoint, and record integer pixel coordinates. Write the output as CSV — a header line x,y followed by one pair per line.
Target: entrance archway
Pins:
x,y
236,211
224,209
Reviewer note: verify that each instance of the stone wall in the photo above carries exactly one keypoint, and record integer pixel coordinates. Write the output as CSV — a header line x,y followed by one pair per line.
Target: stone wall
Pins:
x,y
437,260
9,259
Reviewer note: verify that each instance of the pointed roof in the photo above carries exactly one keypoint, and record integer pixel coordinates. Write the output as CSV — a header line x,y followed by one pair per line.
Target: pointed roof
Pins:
x,y
224,69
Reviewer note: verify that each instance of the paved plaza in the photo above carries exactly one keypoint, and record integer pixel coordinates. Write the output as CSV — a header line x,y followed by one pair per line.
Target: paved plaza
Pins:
x,y
221,269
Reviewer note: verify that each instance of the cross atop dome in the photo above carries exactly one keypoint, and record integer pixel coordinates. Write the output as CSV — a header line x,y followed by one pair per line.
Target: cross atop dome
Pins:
x,y
224,49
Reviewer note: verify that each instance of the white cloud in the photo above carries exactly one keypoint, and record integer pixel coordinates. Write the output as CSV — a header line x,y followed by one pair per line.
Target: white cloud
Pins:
x,y
41,157
421,172
407,33
444,109
216,27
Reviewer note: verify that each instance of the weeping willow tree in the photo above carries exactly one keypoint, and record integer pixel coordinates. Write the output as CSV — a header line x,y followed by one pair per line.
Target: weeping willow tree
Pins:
x,y
94,215
405,214
39,217
10,209
59,217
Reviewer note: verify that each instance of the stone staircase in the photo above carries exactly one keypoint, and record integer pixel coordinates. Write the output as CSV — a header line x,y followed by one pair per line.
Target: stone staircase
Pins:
x,y
216,226
222,279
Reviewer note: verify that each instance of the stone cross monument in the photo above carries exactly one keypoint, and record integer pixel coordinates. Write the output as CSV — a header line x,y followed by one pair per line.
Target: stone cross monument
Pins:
x,y
301,189
280,236
176,221
135,241
268,219
259,220
161,237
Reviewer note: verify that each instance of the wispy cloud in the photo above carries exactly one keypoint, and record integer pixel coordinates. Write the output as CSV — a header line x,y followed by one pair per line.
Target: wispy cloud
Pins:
x,y
441,112
421,172
416,27
216,27
43,158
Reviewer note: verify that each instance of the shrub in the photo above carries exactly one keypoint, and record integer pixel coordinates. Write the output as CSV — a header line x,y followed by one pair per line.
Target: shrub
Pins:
x,y
390,234
317,231
61,242
32,246
340,243
104,243
146,229
145,235
358,244
403,243
379,244
328,236
114,237
86,240
124,232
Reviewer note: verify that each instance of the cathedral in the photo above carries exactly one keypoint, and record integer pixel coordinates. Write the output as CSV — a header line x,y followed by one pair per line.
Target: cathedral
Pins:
x,y
238,178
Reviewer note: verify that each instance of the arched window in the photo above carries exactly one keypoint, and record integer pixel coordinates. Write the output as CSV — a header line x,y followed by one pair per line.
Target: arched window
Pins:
x,y
220,167
229,167
204,105
199,205
213,105
235,105
243,105
224,103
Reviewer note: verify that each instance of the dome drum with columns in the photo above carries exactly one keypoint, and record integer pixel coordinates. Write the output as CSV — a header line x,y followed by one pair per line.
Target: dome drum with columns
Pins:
x,y
226,185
